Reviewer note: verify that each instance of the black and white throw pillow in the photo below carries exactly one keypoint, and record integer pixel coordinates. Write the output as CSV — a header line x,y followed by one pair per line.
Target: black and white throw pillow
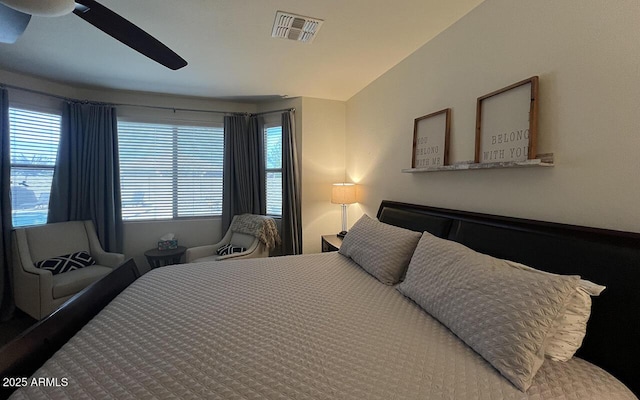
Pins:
x,y
68,262
229,249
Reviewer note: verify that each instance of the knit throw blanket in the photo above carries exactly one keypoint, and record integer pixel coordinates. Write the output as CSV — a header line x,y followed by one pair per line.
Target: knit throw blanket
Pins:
x,y
260,226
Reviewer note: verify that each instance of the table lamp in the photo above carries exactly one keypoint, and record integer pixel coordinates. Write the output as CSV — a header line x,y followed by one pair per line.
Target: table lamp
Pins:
x,y
343,194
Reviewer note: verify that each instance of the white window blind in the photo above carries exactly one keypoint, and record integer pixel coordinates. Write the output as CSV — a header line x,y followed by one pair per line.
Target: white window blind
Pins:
x,y
34,138
273,160
170,171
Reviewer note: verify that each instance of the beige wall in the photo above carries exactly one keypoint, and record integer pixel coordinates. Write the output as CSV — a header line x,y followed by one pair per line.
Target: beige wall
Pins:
x,y
323,163
587,55
115,96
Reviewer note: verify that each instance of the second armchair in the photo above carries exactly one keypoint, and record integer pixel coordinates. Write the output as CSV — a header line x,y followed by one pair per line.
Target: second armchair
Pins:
x,y
255,233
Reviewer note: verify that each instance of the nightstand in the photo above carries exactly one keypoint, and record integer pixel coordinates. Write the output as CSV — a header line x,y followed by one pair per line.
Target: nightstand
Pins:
x,y
159,258
331,243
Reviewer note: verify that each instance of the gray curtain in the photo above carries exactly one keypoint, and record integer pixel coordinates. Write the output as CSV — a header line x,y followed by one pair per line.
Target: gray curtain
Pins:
x,y
7,305
291,230
244,169
86,180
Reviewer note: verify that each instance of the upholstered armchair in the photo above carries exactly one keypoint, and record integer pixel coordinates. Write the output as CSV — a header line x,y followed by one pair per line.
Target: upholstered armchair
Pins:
x,y
256,234
37,291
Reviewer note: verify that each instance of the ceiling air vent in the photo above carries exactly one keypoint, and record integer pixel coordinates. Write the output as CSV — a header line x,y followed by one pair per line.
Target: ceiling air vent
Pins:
x,y
295,27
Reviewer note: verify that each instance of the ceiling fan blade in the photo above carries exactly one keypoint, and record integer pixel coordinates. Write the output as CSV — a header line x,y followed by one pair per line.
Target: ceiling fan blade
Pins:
x,y
12,24
119,28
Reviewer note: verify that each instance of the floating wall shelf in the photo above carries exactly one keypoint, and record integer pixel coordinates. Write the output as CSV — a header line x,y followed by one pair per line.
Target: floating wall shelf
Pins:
x,y
542,161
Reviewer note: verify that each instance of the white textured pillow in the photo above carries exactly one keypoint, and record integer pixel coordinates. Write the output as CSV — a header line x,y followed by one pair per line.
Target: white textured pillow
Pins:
x,y
505,314
570,327
381,249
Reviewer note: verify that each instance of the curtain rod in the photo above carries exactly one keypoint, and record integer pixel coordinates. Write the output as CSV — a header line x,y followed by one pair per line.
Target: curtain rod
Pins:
x,y
179,109
271,112
139,105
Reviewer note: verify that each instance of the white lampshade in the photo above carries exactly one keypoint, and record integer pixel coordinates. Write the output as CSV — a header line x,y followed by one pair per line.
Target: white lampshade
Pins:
x,y
343,193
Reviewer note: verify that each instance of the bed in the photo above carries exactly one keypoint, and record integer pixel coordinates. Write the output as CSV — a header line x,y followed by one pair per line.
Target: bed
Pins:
x,y
321,327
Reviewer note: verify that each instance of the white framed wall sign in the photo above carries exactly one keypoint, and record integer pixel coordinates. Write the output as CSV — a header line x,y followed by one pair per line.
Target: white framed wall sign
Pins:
x,y
507,123
431,140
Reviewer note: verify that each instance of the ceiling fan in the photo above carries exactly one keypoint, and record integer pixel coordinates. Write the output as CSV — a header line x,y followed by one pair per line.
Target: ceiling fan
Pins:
x,y
16,14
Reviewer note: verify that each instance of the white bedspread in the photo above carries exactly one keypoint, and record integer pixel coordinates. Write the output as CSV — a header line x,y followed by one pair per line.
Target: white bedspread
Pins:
x,y
301,327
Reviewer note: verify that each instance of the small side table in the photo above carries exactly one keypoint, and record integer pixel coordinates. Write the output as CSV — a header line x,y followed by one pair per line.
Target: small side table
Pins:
x,y
331,243
159,258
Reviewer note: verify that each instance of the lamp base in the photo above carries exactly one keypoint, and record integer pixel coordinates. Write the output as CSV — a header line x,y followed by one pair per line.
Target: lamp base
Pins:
x,y
341,234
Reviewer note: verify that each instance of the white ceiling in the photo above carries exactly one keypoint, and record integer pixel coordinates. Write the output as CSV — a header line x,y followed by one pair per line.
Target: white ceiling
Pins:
x,y
229,47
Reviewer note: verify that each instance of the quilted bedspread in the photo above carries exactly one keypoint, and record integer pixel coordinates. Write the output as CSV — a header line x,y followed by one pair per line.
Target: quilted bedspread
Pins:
x,y
300,327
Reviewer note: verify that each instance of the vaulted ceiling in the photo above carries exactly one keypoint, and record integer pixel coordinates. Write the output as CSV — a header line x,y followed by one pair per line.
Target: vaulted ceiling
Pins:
x,y
229,47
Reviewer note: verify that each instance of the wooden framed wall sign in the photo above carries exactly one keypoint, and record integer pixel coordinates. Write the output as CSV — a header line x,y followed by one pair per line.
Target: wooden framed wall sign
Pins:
x,y
507,123
431,140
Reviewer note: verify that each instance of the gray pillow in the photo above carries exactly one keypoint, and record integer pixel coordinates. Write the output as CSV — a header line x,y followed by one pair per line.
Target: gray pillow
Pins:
x,y
382,250
503,313
570,327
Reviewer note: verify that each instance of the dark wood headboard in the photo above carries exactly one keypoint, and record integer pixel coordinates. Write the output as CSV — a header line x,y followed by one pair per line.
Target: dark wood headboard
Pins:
x,y
606,257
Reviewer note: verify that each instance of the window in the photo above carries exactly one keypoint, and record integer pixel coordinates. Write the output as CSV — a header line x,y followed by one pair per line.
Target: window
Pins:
x,y
273,160
170,171
34,138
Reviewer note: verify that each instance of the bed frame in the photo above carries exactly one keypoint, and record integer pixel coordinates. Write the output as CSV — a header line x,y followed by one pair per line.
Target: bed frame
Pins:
x,y
606,257
28,352
610,258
